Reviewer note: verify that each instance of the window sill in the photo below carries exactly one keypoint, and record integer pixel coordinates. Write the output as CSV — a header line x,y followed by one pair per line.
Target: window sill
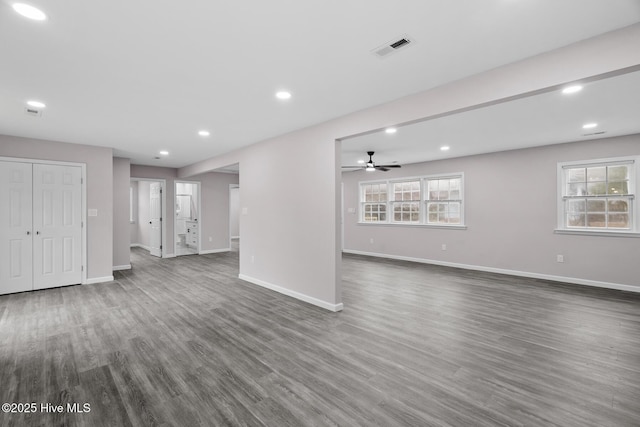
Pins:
x,y
398,224
601,233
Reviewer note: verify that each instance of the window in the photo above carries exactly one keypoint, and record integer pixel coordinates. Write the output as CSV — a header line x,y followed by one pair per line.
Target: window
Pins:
x,y
598,195
444,200
406,201
374,202
429,200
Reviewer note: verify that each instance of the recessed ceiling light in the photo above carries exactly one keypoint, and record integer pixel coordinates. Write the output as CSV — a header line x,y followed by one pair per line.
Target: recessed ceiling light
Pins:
x,y
164,153
29,11
36,104
572,89
283,95
204,133
391,130
590,126
361,162
445,148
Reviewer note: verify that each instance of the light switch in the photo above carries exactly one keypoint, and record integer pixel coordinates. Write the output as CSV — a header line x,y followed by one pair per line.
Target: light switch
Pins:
x,y
245,211
93,212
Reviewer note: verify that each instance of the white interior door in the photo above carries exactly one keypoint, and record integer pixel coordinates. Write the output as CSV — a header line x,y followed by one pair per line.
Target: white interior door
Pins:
x,y
57,225
16,271
155,210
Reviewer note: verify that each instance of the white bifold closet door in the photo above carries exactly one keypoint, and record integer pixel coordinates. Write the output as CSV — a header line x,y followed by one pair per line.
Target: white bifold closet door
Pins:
x,y
41,226
16,272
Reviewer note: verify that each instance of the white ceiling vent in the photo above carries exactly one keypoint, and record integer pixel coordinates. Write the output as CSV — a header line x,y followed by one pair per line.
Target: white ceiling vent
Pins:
x,y
594,133
34,112
393,46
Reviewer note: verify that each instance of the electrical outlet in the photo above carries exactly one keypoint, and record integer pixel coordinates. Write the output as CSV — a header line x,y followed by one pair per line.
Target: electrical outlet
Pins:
x,y
371,240
560,258
253,259
210,239
444,246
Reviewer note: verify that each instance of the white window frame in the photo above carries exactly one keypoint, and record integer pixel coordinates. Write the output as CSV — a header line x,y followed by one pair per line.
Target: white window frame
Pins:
x,y
634,185
423,222
362,202
391,200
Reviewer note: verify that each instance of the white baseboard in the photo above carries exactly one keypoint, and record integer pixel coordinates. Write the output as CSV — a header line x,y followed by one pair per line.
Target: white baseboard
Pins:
x,y
169,256
572,280
121,267
214,251
293,294
94,280
139,245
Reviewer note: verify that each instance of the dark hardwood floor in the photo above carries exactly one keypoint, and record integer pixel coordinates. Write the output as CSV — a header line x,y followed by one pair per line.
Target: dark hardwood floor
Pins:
x,y
184,342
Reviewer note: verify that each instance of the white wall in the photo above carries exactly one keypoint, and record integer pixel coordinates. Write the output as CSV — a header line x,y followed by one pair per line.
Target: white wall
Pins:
x,y
99,161
293,246
510,210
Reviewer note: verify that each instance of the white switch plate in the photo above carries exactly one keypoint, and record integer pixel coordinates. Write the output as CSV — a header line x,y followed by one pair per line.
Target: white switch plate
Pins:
x,y
245,211
93,212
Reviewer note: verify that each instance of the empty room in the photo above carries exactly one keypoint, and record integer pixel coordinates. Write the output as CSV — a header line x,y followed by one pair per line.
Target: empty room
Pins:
x,y
464,250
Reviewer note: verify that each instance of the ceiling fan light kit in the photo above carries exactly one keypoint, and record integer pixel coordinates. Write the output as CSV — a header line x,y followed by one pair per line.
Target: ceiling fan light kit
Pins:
x,y
370,166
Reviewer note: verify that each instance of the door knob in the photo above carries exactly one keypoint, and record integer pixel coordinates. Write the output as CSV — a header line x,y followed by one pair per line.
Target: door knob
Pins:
x,y
38,233
149,222
28,233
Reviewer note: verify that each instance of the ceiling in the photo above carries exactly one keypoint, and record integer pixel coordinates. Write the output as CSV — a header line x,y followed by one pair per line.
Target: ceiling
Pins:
x,y
143,76
549,118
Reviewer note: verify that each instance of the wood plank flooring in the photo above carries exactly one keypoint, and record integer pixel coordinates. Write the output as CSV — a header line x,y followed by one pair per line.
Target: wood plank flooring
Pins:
x,y
183,342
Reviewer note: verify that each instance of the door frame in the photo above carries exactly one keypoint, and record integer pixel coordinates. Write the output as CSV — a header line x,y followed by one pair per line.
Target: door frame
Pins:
x,y
232,187
175,218
83,193
163,203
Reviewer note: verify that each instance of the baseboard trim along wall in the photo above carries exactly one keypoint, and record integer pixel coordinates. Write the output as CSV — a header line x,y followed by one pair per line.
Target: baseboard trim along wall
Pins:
x,y
563,279
121,267
214,251
138,245
293,294
95,280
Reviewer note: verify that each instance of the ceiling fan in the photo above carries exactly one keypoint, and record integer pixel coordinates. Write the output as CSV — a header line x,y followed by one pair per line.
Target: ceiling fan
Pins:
x,y
370,166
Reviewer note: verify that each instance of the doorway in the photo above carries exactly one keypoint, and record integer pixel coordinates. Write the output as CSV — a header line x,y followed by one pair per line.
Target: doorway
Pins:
x,y
147,213
187,226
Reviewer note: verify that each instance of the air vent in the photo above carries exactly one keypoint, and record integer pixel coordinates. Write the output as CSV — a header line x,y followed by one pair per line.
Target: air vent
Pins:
x,y
393,46
34,112
594,133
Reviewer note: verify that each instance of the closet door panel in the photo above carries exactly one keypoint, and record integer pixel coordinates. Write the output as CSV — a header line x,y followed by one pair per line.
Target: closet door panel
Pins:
x,y
57,216
15,227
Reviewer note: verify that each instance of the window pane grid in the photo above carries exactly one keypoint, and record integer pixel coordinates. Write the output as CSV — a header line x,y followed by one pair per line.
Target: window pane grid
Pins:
x,y
598,197
401,202
444,204
406,202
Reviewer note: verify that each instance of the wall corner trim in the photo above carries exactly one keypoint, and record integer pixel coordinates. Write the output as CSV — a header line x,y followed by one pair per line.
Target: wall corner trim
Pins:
x,y
121,267
95,280
561,279
297,295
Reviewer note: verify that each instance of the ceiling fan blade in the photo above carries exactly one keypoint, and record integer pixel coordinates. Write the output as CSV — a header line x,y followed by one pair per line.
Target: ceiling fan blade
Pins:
x,y
352,167
382,168
388,166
